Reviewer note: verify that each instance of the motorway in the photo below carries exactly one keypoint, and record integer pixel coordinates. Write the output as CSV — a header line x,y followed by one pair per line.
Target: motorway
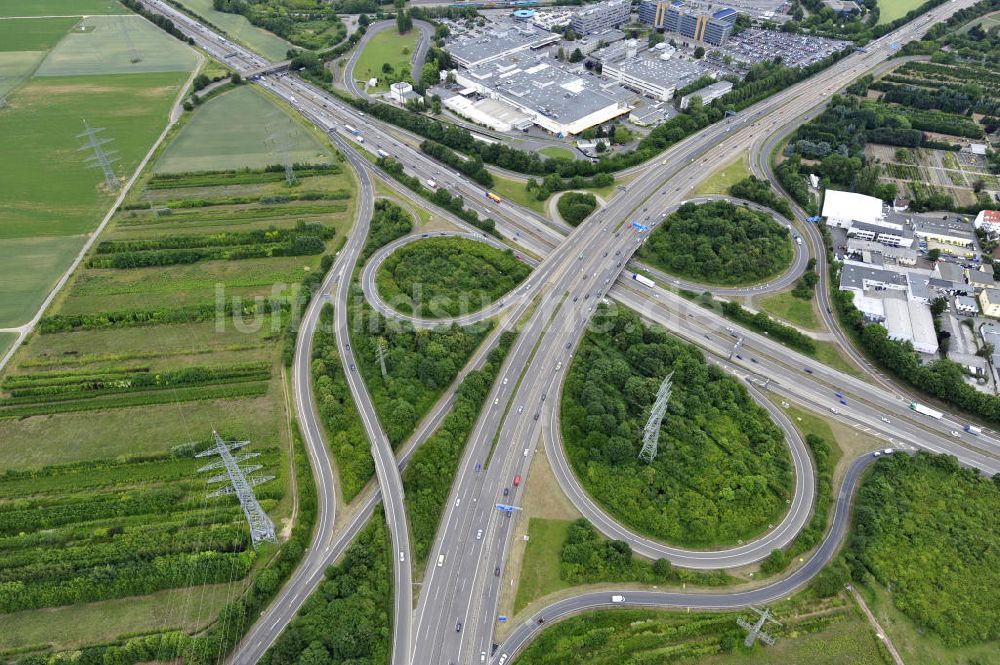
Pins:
x,y
467,587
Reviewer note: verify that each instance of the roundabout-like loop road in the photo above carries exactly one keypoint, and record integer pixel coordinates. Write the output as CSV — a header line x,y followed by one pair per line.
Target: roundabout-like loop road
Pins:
x,y
370,286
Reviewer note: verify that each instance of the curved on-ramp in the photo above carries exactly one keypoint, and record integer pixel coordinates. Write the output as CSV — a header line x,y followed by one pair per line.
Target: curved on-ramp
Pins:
x,y
800,506
530,627
370,287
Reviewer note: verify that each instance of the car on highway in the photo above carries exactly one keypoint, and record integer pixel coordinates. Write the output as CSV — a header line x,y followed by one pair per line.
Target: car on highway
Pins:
x,y
496,571
808,371
458,627
617,599
955,434
440,560
353,368
479,534
520,409
505,380
877,453
536,416
482,656
885,420
506,491
402,558
834,411
496,401
887,451
517,480
558,366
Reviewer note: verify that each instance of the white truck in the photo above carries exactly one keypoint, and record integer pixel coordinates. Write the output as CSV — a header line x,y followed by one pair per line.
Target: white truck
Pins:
x,y
972,429
926,410
432,184
645,281
617,599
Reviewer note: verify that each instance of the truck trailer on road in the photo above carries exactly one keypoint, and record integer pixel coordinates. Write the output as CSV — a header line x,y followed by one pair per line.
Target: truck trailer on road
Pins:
x,y
645,281
926,410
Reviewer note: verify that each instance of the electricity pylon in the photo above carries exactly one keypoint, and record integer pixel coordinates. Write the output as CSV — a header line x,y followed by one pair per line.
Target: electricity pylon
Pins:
x,y
651,433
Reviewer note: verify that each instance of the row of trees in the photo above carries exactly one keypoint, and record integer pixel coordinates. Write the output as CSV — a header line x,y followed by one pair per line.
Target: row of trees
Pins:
x,y
446,277
429,476
761,322
719,243
722,472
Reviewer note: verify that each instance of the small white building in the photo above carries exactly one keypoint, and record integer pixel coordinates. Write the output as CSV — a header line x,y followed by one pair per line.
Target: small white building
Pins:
x,y
966,305
402,92
708,94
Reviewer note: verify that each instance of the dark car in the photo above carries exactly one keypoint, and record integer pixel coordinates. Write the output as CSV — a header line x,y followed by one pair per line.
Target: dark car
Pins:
x,y
496,571
458,627
506,491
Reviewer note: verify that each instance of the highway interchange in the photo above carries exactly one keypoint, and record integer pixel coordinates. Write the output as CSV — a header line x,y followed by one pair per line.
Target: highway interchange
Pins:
x,y
575,271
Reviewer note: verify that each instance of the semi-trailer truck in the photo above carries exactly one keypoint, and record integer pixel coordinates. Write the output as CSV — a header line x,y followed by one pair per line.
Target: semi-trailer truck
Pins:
x,y
383,153
972,429
645,281
926,410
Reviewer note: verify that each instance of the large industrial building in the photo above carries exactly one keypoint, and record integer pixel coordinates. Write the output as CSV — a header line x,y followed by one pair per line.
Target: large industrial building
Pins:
x,y
708,94
496,42
703,24
655,77
603,15
561,100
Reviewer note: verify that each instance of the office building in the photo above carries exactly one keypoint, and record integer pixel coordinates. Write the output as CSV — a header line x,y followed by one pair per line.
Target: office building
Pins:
x,y
708,94
603,15
698,23
988,220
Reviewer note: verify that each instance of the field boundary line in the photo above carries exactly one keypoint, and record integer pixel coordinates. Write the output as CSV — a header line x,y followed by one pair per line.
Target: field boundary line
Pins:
x,y
172,118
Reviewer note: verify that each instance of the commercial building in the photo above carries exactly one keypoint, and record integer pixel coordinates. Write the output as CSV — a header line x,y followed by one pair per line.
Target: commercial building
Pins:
x,y
988,220
597,40
908,321
496,42
954,238
989,300
966,305
655,77
708,94
904,256
603,15
563,101
491,113
842,209
699,23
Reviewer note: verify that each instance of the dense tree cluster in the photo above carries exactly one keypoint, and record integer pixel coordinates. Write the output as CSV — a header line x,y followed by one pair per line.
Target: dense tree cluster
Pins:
x,y
429,476
344,431
928,527
389,222
447,277
348,619
574,207
311,24
719,243
722,472
473,168
765,324
759,191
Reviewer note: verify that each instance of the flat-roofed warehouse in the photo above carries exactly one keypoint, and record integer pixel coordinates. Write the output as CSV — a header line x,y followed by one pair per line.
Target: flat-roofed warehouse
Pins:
x,y
496,42
563,101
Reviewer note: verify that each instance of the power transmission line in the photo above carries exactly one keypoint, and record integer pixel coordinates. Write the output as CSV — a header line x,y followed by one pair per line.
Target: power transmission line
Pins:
x,y
651,433
261,526
755,630
100,158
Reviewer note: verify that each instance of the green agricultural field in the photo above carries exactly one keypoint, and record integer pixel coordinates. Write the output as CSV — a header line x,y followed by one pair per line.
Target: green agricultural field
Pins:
x,y
890,10
29,268
441,277
40,126
16,67
235,131
239,29
60,7
102,45
387,46
6,339
72,626
34,34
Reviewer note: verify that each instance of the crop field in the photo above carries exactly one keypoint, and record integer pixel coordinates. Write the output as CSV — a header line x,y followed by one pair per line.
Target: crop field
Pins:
x,y
60,7
117,45
890,10
130,372
240,129
239,29
35,34
16,67
29,268
389,47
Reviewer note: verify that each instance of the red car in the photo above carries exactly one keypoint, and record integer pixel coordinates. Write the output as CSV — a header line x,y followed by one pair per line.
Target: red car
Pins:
x,y
517,480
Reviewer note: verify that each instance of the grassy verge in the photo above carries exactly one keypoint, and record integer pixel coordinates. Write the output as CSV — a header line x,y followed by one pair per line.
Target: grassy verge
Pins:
x,y
557,152
798,312
540,568
720,180
387,47
513,190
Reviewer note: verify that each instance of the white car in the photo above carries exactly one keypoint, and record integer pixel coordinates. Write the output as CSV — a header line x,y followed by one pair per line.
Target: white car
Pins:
x,y
955,434
496,401
482,656
887,451
401,557
520,409
885,420
479,534
505,380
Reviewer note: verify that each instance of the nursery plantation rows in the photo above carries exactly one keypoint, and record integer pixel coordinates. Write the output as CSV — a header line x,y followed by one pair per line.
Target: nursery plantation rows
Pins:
x,y
177,323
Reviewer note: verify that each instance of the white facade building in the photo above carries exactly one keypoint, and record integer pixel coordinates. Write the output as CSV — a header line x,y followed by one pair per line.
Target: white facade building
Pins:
x,y
842,209
988,220
912,322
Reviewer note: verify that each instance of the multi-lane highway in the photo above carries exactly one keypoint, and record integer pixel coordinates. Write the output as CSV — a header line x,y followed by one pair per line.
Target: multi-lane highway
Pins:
x,y
474,538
